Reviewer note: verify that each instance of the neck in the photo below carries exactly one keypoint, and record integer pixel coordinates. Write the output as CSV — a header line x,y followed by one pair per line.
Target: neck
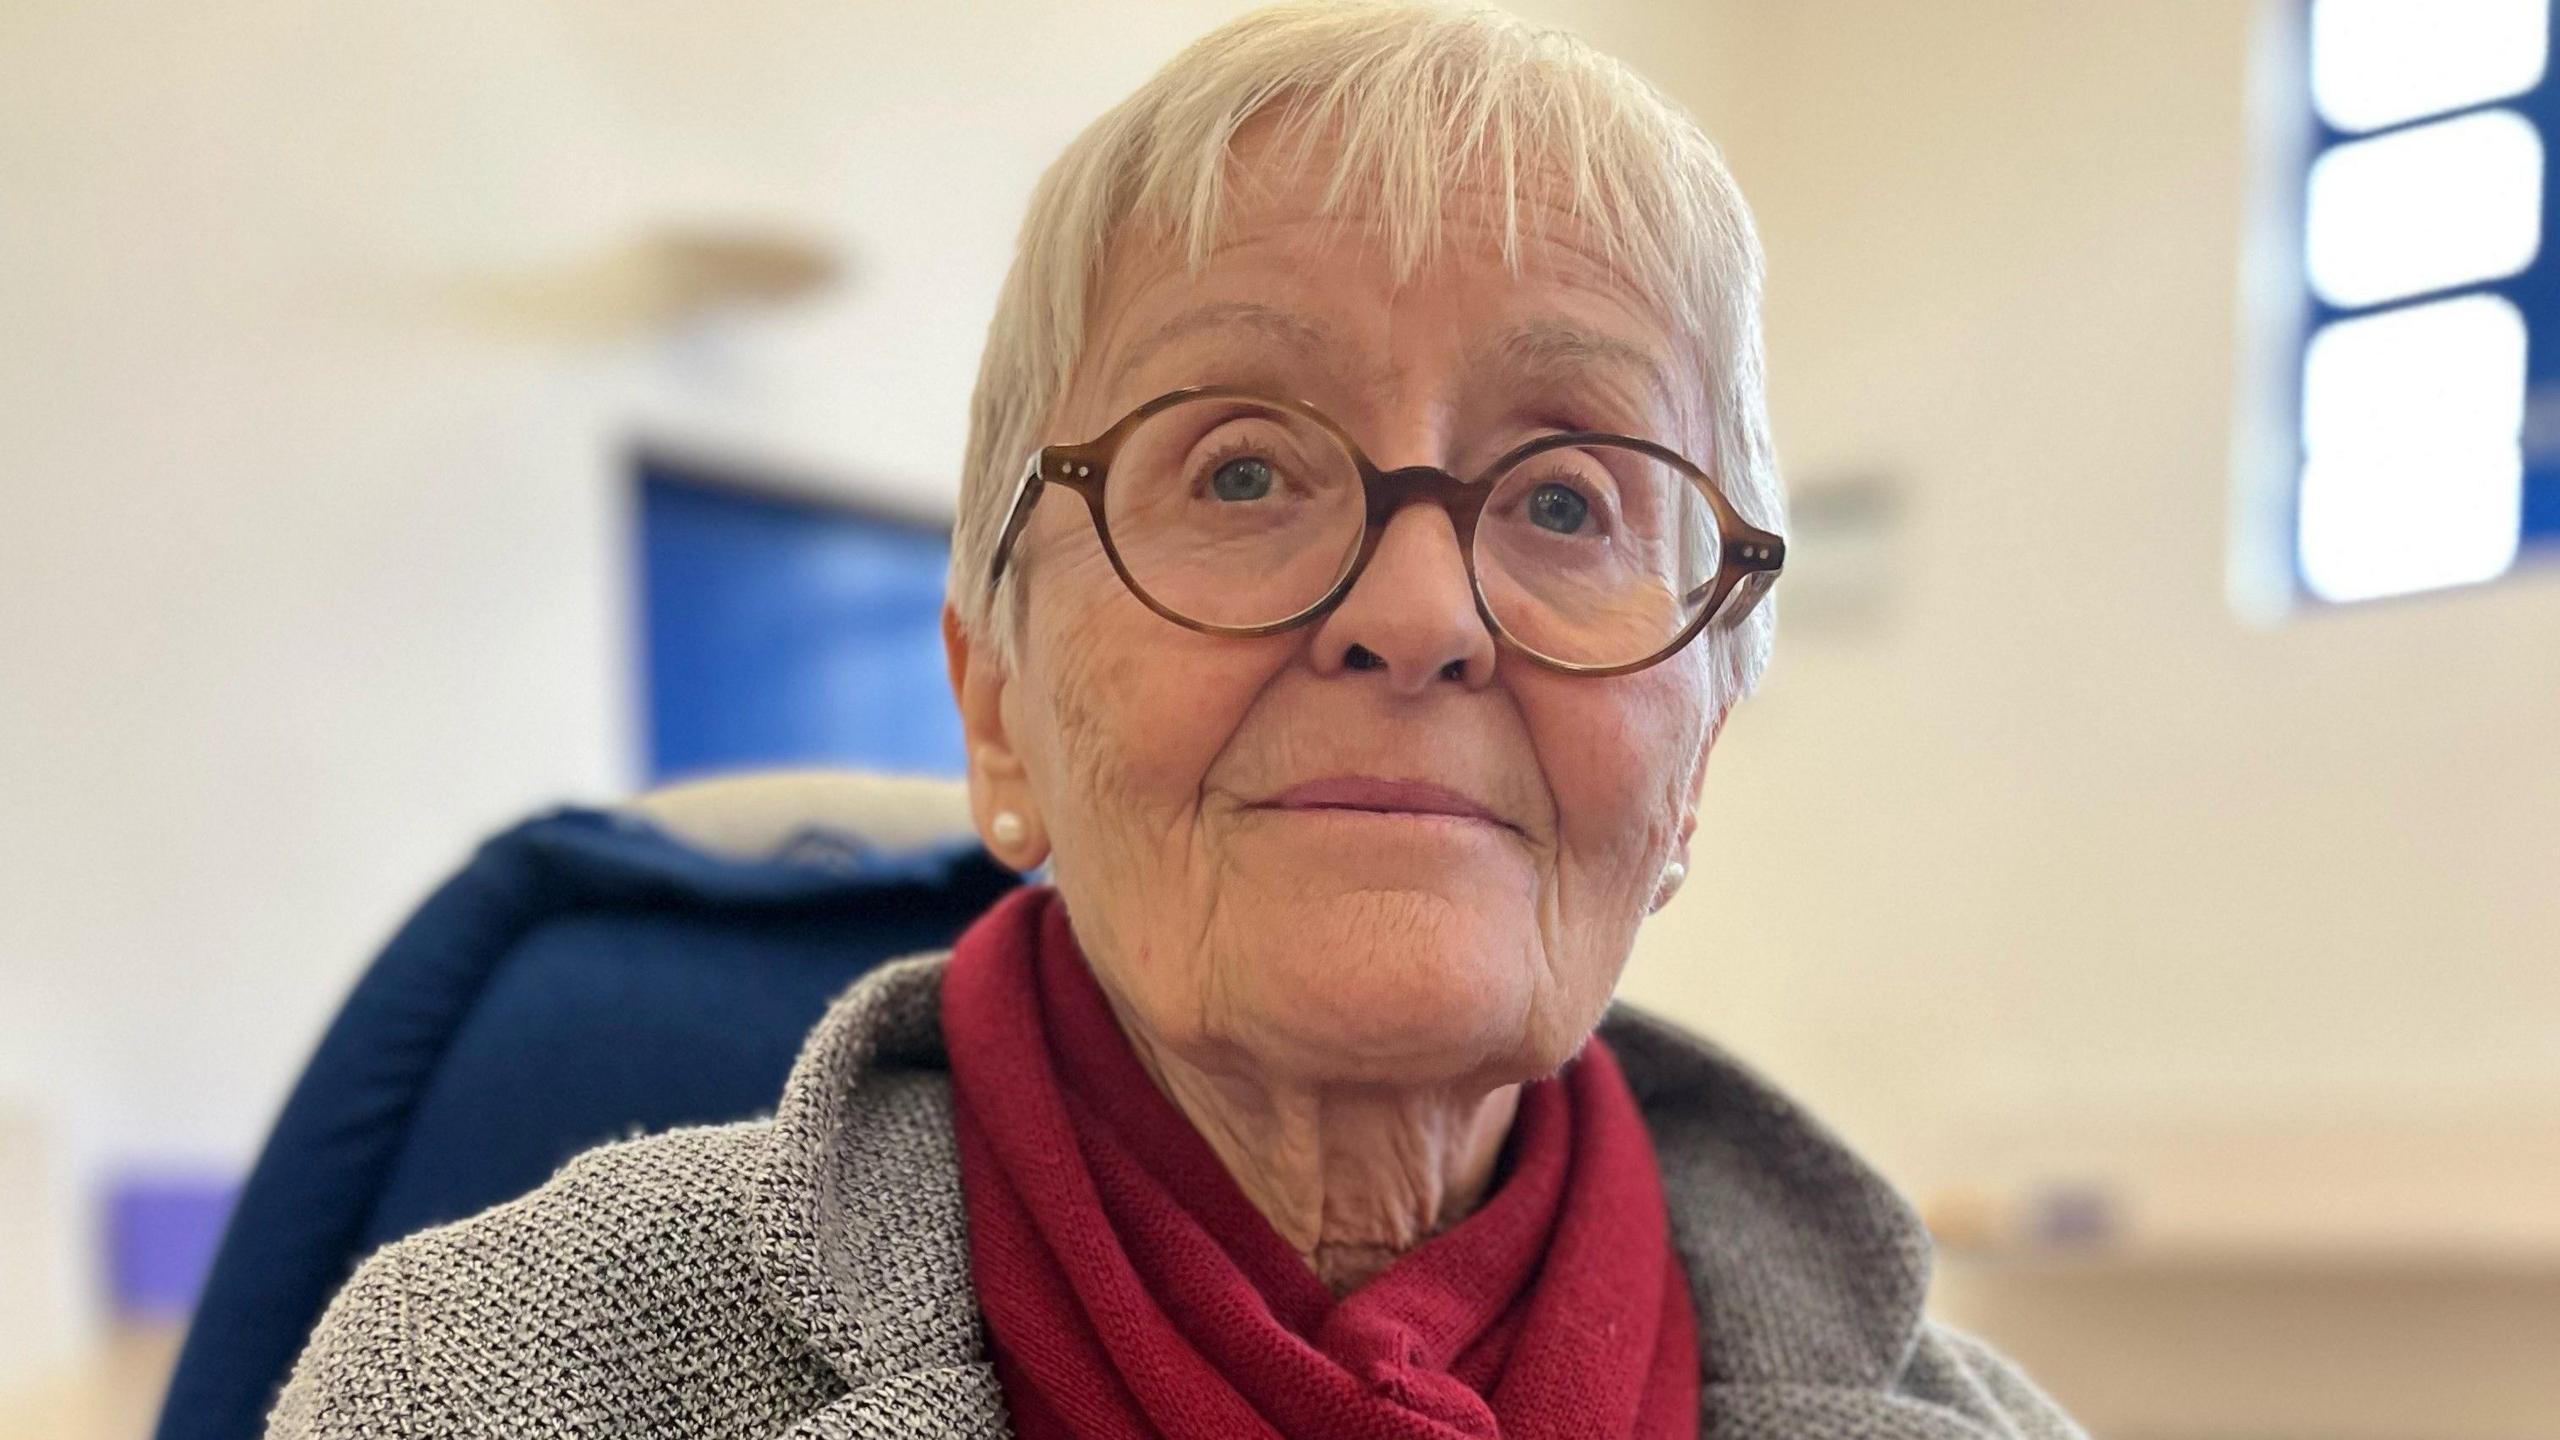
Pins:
x,y
1351,1177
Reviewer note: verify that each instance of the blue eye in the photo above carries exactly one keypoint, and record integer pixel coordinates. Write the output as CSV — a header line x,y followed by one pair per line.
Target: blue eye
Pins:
x,y
1247,477
1558,508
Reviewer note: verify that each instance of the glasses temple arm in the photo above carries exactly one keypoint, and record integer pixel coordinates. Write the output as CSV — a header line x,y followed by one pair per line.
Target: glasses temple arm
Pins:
x,y
1025,491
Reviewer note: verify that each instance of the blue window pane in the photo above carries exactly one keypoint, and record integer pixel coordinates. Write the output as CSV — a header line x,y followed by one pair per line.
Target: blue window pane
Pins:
x,y
782,631
2461,75
2542,506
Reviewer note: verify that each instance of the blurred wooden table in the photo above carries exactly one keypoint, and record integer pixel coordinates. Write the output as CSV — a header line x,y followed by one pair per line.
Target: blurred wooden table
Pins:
x,y
115,1395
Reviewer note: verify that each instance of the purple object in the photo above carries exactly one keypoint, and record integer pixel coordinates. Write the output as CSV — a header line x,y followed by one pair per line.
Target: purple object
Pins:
x,y
2074,1213
161,1233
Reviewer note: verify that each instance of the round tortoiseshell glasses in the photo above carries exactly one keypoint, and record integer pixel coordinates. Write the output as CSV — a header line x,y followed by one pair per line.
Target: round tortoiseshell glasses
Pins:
x,y
1232,513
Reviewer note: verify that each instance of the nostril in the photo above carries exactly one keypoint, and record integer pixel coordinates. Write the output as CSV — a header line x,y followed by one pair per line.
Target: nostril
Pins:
x,y
1361,657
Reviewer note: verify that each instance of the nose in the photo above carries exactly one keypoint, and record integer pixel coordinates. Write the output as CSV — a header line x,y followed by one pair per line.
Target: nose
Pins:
x,y
1411,614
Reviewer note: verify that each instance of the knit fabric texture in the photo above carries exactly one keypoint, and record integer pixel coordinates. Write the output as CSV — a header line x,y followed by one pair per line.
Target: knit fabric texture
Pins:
x,y
807,1275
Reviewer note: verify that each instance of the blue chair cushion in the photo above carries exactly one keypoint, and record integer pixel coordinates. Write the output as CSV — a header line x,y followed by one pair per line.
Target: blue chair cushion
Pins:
x,y
586,977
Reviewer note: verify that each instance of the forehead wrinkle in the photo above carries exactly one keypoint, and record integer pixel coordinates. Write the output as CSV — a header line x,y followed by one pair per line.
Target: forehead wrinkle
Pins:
x,y
1229,332
1305,334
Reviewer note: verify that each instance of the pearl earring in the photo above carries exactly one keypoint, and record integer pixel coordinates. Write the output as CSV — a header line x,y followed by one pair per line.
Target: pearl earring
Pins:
x,y
1008,827
1673,873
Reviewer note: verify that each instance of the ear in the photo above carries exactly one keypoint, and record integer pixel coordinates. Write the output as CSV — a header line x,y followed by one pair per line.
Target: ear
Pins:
x,y
1698,785
998,783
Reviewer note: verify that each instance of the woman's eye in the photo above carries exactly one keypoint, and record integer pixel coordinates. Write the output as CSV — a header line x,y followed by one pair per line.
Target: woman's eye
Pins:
x,y
1247,477
1559,508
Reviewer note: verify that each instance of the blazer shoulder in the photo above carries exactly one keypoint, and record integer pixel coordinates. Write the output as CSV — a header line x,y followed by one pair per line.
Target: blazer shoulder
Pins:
x,y
1961,1372
527,1315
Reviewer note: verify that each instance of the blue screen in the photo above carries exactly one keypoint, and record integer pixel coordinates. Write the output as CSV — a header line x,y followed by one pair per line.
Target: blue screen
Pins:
x,y
785,631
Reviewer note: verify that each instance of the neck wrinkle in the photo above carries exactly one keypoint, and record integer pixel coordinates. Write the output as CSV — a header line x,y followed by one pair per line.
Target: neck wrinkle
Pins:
x,y
1351,1180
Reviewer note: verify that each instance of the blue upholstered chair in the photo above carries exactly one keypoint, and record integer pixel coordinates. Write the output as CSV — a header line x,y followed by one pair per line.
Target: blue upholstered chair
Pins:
x,y
589,975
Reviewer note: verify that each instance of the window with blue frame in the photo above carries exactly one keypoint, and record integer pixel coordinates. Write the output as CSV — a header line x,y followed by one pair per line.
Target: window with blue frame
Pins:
x,y
2425,205
781,630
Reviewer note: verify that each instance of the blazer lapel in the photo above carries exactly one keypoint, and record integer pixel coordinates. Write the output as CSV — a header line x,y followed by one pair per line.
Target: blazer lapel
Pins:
x,y
1809,1271
861,1236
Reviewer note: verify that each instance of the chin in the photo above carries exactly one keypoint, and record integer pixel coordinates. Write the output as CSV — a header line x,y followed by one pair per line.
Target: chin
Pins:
x,y
1394,986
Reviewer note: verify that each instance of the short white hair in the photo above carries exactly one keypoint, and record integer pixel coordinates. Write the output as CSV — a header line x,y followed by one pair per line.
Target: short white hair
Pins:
x,y
1418,99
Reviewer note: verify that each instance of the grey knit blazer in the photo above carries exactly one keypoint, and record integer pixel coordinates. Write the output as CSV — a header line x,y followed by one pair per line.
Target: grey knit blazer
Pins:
x,y
808,1275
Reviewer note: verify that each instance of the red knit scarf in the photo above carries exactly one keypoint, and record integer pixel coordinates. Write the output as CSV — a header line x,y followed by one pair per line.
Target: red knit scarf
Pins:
x,y
1131,1289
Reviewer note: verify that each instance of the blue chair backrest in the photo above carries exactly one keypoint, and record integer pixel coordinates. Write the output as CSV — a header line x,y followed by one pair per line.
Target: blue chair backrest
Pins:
x,y
585,978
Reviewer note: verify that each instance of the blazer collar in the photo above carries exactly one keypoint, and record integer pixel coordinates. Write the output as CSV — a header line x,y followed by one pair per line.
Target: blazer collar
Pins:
x,y
1807,1267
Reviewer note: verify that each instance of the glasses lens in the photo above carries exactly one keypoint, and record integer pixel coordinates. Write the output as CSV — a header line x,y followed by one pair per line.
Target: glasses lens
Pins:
x,y
1596,554
1232,512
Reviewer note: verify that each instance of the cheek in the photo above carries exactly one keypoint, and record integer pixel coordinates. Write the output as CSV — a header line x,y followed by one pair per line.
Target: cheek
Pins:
x,y
1131,711
1618,755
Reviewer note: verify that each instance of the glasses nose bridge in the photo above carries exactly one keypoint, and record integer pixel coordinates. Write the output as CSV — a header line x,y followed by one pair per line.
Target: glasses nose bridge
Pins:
x,y
1390,491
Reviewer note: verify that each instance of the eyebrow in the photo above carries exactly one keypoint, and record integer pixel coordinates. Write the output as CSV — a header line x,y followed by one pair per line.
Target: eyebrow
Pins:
x,y
1308,336
1549,353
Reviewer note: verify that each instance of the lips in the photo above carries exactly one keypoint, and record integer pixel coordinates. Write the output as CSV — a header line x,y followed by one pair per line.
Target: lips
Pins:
x,y
1386,797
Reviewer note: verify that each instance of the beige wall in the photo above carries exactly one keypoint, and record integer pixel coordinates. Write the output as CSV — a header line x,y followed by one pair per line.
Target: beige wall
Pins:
x,y
2063,833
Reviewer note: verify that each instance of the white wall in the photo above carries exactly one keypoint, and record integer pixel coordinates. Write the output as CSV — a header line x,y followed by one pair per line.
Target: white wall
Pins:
x,y
312,432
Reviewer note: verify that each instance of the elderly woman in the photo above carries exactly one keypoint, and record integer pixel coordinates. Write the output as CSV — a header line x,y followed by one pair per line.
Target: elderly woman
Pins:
x,y
1368,501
